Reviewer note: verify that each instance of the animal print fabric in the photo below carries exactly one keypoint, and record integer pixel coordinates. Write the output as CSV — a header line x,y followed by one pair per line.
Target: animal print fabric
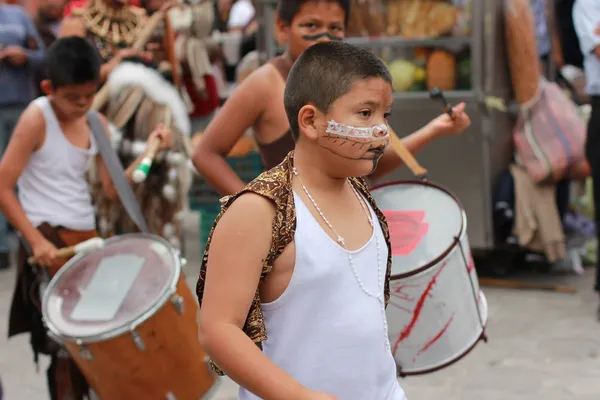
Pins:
x,y
276,185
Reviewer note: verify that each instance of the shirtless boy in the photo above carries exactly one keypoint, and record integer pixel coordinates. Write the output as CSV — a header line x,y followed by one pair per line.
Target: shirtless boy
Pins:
x,y
258,102
47,159
309,278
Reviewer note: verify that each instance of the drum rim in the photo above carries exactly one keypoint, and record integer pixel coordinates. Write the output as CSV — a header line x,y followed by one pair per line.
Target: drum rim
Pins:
x,y
461,232
126,327
482,336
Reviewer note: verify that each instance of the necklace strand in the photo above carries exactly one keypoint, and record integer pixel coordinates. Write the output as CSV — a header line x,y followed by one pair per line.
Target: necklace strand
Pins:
x,y
379,296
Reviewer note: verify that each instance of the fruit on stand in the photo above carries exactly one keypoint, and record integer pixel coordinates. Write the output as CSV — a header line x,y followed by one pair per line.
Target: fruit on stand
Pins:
x,y
406,75
463,80
441,70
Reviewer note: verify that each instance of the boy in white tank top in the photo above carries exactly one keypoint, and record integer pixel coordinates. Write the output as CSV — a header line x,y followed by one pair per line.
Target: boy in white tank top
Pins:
x,y
47,159
308,280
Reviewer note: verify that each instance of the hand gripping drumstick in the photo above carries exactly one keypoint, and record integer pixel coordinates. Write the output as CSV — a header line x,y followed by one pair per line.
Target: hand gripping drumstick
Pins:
x,y
438,96
83,247
141,171
146,34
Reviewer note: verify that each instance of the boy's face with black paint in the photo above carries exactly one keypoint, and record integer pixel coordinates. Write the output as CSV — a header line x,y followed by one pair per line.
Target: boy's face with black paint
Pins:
x,y
353,133
72,101
317,21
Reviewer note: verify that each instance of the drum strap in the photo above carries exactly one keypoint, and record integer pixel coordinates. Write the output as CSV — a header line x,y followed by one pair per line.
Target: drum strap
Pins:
x,y
116,171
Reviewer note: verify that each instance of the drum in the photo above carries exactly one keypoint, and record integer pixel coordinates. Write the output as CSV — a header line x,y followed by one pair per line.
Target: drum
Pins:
x,y
436,314
128,319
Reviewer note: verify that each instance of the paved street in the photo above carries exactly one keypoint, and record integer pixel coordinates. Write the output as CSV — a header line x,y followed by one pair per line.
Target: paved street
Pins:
x,y
541,346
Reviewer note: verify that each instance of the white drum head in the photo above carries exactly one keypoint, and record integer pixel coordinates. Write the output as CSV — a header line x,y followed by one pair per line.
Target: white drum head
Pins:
x,y
423,221
101,295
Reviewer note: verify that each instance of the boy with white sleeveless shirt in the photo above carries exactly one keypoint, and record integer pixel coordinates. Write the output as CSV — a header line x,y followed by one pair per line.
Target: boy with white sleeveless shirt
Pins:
x,y
47,159
308,281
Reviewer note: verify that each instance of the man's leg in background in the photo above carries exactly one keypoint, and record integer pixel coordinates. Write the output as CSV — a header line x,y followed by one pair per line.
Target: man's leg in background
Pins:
x,y
592,150
8,120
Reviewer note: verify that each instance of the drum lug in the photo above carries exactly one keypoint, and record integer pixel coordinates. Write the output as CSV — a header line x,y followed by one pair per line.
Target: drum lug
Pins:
x,y
178,303
84,352
139,342
183,262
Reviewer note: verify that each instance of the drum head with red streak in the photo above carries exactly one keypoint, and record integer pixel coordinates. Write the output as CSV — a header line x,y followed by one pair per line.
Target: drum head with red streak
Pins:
x,y
108,290
423,221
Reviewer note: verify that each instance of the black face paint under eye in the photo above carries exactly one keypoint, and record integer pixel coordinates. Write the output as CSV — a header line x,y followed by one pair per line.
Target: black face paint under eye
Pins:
x,y
322,35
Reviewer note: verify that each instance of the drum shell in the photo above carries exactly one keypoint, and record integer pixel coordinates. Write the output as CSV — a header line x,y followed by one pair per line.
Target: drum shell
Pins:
x,y
172,361
443,323
437,313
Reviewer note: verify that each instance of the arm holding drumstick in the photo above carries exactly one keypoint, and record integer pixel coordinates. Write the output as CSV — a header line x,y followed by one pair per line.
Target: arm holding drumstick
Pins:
x,y
452,122
83,247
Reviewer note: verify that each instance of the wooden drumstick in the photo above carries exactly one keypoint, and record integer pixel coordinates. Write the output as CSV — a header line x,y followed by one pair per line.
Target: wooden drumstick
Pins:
x,y
83,247
141,171
406,156
102,96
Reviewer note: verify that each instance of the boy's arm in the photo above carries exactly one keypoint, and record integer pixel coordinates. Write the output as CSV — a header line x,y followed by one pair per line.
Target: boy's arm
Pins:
x,y
231,282
26,138
443,125
241,110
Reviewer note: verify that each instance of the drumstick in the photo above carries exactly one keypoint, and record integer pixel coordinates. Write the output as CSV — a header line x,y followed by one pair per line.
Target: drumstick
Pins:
x,y
438,96
102,96
406,156
141,171
83,247
510,284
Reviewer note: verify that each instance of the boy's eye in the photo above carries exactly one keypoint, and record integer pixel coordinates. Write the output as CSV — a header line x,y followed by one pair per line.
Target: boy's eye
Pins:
x,y
337,28
387,115
309,25
365,113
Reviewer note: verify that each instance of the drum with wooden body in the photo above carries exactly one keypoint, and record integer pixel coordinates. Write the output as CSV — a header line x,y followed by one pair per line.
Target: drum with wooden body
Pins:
x,y
128,319
437,313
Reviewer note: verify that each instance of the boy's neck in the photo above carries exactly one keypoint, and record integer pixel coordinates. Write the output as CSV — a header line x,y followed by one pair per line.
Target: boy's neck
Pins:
x,y
313,174
59,114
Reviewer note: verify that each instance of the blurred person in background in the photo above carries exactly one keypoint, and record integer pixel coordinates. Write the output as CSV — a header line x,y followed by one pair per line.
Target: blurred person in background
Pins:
x,y
586,19
48,18
21,56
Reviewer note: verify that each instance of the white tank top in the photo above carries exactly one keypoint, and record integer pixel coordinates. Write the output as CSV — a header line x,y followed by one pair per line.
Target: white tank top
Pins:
x,y
324,330
53,186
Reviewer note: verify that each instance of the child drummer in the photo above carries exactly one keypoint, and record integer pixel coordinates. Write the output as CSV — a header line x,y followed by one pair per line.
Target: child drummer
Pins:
x,y
309,279
47,159
258,102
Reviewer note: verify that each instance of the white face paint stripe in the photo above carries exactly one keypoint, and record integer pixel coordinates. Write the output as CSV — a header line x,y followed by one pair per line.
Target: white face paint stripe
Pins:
x,y
339,129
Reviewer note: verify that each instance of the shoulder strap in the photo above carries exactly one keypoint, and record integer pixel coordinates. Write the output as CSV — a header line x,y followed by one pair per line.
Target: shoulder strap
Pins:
x,y
116,171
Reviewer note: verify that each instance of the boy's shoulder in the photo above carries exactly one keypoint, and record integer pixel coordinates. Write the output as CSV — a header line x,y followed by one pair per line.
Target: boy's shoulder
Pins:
x,y
263,78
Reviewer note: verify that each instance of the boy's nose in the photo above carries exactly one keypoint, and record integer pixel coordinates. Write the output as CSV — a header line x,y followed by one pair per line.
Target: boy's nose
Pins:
x,y
380,130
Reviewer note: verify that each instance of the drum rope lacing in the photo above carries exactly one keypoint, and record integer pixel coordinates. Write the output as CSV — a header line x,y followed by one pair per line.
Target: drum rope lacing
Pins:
x,y
342,242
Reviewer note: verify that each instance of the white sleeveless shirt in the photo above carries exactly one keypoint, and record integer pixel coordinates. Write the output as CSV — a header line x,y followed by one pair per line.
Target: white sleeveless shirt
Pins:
x,y
324,330
53,186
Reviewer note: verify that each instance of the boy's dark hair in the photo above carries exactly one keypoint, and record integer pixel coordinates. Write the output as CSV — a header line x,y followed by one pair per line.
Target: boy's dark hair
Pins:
x,y
72,61
325,72
288,9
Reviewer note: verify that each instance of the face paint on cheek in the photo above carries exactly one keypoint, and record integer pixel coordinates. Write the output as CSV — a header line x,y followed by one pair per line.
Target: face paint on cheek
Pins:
x,y
357,143
318,36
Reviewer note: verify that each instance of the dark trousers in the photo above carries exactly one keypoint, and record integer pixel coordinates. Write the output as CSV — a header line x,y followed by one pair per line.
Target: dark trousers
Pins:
x,y
592,153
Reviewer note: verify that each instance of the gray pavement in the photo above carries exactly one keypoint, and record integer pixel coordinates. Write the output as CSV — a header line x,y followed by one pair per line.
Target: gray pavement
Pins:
x,y
542,346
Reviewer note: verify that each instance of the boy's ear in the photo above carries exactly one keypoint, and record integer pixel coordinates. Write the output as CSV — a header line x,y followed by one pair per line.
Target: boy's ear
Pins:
x,y
282,31
307,122
47,87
